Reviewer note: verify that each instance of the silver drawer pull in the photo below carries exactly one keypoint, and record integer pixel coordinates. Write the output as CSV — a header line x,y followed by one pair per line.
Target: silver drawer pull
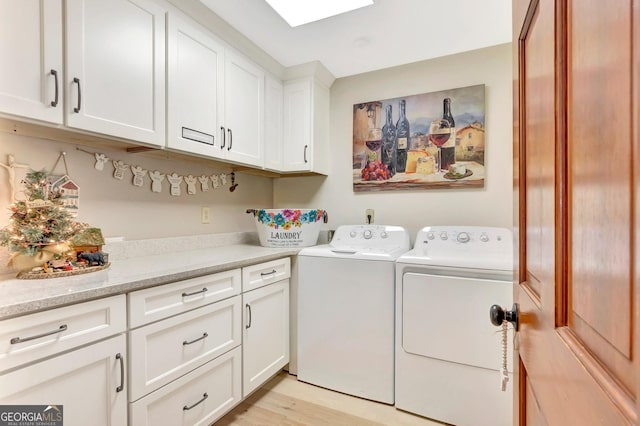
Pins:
x,y
204,336
189,407
267,273
60,329
120,358
204,290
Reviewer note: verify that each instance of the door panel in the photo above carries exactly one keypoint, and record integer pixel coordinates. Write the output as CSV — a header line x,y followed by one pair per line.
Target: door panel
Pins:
x,y
575,221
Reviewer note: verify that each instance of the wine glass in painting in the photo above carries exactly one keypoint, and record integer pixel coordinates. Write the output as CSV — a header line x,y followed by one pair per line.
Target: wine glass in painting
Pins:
x,y
439,134
374,142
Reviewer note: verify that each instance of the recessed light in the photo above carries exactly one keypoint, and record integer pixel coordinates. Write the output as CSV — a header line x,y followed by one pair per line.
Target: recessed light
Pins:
x,y
299,12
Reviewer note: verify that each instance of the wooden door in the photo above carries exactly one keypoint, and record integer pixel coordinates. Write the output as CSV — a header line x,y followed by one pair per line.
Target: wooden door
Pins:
x,y
576,172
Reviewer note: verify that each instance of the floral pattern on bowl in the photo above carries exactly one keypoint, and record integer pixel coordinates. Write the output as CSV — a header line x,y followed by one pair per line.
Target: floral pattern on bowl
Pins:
x,y
288,218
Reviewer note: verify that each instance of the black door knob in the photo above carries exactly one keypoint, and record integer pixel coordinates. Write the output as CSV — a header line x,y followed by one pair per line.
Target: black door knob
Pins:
x,y
498,315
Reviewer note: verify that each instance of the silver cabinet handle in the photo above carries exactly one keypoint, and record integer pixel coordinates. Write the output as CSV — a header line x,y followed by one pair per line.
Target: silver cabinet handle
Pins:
x,y
262,274
230,139
204,290
120,358
54,73
248,306
204,336
305,153
77,109
224,137
189,407
17,340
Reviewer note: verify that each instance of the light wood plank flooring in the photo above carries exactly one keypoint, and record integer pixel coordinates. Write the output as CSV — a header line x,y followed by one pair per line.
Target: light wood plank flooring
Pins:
x,y
286,401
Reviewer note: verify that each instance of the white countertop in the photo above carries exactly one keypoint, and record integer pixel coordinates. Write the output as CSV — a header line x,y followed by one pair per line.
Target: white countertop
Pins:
x,y
20,297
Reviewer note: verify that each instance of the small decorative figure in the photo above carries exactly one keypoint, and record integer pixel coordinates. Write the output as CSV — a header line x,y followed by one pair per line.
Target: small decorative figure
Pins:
x,y
100,160
204,183
191,184
138,175
215,180
223,179
175,180
156,181
11,167
119,169
96,258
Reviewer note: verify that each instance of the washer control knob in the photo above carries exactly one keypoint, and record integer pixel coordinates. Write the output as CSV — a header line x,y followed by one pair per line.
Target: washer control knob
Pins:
x,y
484,237
367,234
443,236
353,234
384,234
430,235
463,237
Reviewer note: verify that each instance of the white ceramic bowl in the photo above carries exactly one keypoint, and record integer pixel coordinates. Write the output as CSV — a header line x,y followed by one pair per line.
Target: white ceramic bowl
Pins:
x,y
288,227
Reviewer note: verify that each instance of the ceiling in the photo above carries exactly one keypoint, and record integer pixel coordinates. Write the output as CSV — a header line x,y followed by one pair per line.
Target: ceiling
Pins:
x,y
386,34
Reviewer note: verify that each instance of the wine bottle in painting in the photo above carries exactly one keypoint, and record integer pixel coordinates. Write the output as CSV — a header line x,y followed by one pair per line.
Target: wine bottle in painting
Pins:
x,y
402,139
389,143
448,150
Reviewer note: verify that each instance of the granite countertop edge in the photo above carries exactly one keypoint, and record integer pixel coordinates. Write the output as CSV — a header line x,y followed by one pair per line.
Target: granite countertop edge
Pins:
x,y
23,297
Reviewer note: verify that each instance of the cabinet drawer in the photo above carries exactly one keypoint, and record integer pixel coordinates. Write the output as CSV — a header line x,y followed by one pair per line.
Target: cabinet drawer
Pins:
x,y
33,337
160,302
198,398
165,350
259,275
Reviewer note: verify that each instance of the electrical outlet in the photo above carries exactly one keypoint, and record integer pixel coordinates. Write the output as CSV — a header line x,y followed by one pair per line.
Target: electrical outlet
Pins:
x,y
205,215
369,216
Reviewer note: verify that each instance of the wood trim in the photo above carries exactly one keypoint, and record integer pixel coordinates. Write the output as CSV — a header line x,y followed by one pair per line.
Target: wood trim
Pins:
x,y
522,393
561,235
635,197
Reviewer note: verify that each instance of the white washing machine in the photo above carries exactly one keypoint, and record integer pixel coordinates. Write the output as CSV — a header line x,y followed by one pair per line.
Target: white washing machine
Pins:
x,y
346,311
448,354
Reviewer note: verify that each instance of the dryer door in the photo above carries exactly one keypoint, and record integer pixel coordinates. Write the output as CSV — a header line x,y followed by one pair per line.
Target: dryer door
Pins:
x,y
447,318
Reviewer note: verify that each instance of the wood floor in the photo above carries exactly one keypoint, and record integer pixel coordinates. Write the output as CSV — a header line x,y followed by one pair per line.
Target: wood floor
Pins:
x,y
285,401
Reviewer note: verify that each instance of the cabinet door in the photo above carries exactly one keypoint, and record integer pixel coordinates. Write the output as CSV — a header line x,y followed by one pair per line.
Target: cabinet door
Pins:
x,y
195,70
297,126
116,68
85,382
31,52
265,344
243,109
273,97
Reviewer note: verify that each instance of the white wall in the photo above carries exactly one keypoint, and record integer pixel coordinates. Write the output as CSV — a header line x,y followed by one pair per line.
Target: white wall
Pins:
x,y
121,209
414,209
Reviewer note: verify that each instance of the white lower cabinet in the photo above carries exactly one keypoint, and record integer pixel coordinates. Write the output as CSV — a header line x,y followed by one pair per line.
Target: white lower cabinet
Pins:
x,y
89,384
197,398
265,343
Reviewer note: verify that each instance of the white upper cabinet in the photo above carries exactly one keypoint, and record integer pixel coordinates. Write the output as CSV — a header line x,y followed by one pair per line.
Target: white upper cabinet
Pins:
x,y
115,74
273,121
243,109
195,87
306,126
31,75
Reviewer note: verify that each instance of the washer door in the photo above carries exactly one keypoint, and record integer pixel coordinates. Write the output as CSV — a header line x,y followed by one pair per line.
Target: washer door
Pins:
x,y
447,318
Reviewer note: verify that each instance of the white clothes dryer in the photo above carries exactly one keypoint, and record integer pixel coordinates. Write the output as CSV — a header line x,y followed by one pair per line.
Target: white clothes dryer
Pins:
x,y
448,354
346,311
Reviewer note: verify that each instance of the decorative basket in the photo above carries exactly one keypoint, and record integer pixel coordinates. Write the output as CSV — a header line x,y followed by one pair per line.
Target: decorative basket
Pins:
x,y
288,227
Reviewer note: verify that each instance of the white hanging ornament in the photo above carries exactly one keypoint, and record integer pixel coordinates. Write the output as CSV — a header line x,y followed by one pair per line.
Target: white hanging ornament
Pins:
x,y
119,169
204,183
68,189
191,184
223,179
156,181
138,175
175,180
215,181
100,160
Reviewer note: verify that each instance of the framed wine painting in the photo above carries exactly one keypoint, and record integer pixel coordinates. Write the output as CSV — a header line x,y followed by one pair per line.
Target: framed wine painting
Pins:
x,y
428,141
